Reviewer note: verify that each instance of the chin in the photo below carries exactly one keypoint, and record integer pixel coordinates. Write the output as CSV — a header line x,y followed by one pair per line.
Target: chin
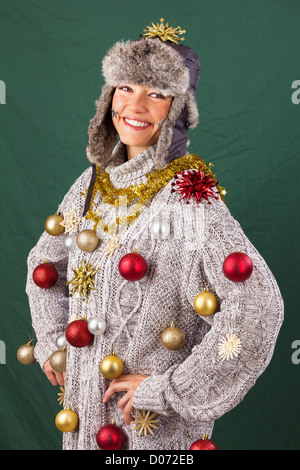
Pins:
x,y
133,142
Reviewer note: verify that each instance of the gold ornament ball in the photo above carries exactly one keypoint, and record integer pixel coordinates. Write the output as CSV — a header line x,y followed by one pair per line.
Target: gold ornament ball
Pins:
x,y
58,360
205,303
111,367
66,420
173,338
25,354
87,240
52,225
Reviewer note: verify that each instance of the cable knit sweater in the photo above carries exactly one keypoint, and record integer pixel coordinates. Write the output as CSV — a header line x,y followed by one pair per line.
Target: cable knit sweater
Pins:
x,y
188,388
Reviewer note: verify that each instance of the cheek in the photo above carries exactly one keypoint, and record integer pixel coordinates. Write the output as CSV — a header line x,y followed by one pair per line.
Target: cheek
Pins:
x,y
117,106
119,102
165,108
115,101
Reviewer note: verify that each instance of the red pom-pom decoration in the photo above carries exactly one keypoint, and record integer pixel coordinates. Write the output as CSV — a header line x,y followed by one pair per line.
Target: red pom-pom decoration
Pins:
x,y
237,267
133,266
78,334
45,276
204,444
110,437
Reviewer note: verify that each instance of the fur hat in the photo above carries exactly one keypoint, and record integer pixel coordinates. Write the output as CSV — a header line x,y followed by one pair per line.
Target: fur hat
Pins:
x,y
168,67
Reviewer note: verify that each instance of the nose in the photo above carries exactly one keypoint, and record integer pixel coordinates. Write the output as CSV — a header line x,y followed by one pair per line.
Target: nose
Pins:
x,y
138,103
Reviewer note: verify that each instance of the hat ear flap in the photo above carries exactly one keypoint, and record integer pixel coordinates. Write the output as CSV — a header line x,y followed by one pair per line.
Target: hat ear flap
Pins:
x,y
173,135
192,111
102,135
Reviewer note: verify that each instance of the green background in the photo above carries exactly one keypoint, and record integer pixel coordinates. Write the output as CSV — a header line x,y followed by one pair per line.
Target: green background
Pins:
x,y
50,62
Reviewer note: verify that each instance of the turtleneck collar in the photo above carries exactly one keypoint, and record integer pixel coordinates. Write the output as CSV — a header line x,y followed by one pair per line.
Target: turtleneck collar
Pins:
x,y
131,172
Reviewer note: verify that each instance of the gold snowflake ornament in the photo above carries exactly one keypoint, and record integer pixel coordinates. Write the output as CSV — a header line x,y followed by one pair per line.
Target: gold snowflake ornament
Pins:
x,y
61,396
164,32
70,221
84,281
145,422
230,346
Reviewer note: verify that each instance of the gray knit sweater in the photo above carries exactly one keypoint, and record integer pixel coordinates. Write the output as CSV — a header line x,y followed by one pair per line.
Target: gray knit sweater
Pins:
x,y
188,388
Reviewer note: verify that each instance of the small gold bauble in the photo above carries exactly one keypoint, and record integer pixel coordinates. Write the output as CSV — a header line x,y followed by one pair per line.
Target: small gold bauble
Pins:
x,y
25,354
111,367
87,240
58,360
173,338
66,420
205,303
52,225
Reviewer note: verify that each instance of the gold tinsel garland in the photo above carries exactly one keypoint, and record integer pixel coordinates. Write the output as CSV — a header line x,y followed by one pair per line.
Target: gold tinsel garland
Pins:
x,y
141,193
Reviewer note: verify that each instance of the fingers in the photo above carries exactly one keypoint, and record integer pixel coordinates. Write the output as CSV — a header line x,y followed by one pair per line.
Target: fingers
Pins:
x,y
127,412
56,378
60,378
126,383
124,400
126,406
115,386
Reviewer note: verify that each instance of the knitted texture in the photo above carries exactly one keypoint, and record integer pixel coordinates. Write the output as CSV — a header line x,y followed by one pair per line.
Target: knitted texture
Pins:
x,y
191,387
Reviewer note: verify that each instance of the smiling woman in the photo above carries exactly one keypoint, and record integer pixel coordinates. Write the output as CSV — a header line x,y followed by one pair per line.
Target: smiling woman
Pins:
x,y
138,113
164,340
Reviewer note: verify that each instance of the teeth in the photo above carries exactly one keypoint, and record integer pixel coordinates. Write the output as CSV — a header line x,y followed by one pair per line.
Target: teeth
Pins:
x,y
136,123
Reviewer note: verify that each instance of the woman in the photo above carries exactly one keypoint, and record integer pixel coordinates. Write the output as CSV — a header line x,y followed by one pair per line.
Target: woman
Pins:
x,y
145,196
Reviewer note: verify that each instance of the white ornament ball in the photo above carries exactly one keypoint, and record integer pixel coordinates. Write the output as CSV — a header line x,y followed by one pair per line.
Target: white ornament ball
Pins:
x,y
61,341
70,242
160,228
97,325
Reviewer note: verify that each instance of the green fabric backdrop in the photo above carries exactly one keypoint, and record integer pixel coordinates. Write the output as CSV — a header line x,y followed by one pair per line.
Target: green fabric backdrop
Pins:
x,y
248,96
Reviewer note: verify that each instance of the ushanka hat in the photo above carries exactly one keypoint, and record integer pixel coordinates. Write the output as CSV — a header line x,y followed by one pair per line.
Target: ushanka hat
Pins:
x,y
156,60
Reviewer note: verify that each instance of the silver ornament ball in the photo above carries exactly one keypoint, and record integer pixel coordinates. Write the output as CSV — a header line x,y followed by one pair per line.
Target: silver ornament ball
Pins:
x,y
160,228
70,242
97,325
61,341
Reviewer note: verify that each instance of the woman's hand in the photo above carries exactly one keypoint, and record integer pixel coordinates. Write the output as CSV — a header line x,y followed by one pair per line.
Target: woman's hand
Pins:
x,y
126,383
56,378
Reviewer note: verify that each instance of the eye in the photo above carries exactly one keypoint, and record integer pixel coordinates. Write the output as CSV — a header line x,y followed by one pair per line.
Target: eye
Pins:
x,y
124,88
156,94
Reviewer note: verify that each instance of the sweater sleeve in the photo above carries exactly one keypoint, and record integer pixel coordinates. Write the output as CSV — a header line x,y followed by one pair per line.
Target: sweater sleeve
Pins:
x,y
206,386
49,308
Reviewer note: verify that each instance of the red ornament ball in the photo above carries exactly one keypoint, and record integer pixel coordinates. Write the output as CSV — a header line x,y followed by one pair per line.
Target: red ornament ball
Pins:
x,y
45,276
204,444
237,267
78,334
133,266
110,437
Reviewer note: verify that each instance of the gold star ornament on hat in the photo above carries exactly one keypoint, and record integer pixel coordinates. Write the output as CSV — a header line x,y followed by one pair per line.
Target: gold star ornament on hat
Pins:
x,y
164,32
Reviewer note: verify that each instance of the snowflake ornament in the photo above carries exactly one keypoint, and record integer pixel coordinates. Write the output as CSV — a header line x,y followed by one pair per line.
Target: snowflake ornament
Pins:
x,y
229,346
61,395
145,422
70,221
111,247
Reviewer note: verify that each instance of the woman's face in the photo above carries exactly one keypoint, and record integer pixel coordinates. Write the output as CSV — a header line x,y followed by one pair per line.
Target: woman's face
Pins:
x,y
137,115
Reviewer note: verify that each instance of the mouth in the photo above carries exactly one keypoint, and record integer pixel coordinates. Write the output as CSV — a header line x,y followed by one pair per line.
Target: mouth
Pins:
x,y
136,124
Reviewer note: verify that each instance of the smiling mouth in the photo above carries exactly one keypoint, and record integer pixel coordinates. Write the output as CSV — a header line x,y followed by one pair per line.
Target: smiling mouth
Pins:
x,y
135,124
